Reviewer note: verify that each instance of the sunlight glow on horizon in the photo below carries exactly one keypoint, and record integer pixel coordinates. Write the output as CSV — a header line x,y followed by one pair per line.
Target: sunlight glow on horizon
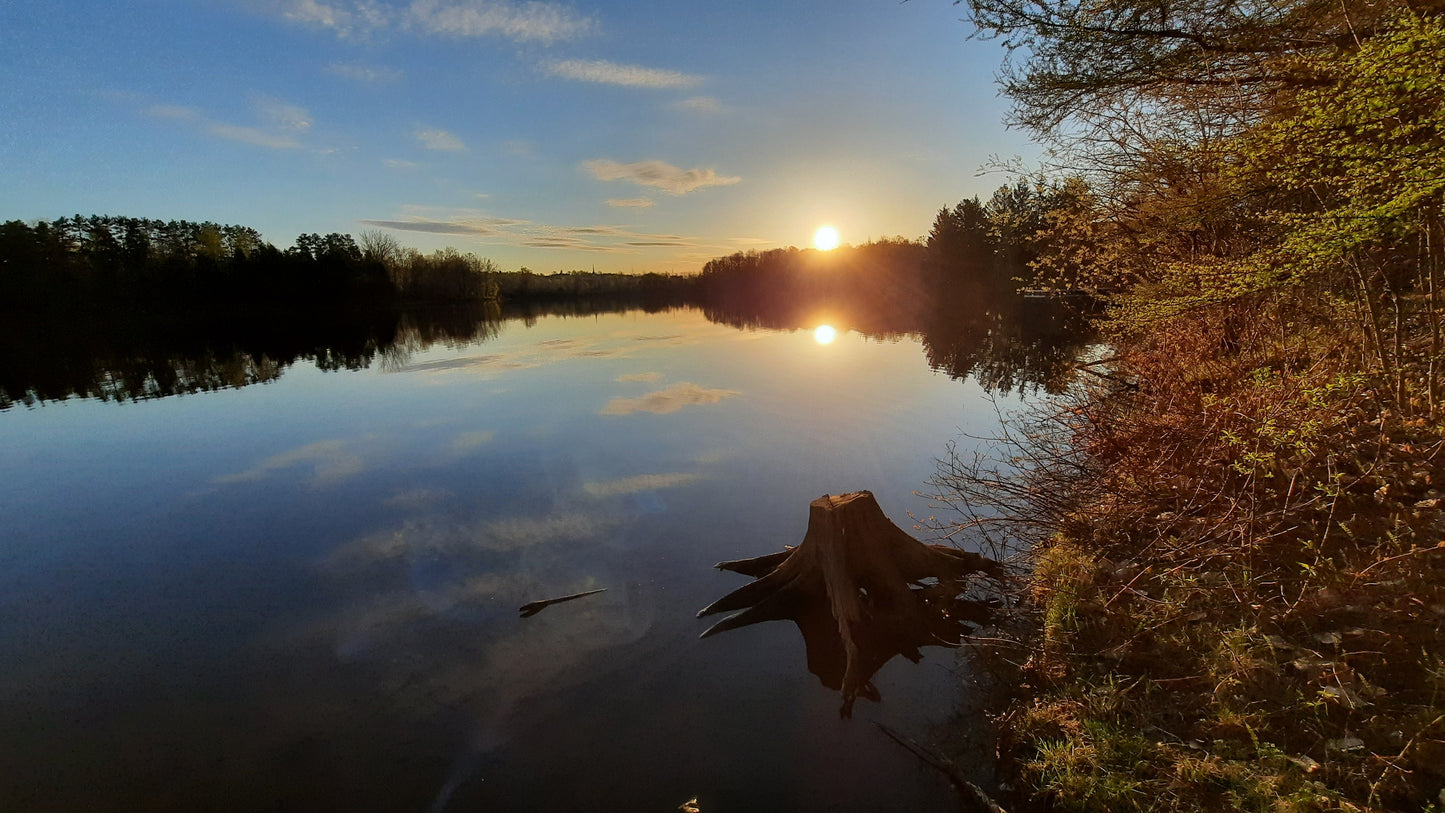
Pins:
x,y
824,334
825,238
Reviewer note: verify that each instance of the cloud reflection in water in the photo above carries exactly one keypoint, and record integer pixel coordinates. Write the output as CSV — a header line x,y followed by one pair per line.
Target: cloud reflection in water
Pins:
x,y
433,605
662,402
641,482
332,460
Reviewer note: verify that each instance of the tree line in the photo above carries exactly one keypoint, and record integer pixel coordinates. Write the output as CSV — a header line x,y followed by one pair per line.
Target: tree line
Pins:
x,y
108,262
103,261
1004,243
974,248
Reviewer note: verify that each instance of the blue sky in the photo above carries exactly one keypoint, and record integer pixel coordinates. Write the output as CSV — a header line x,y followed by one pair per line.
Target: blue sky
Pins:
x,y
622,136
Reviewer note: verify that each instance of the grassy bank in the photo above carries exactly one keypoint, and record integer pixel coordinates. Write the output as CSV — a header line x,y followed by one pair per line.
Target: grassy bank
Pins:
x,y
1233,527
1236,590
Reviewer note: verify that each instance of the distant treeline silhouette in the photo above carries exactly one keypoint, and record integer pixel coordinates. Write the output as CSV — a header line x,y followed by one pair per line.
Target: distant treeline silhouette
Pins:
x,y
790,286
973,249
110,262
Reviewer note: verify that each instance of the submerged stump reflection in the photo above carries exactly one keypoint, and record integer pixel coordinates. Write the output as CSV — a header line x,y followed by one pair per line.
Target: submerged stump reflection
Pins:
x,y
861,591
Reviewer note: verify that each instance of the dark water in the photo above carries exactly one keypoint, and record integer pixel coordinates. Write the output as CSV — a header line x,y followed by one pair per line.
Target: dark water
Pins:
x,y
287,577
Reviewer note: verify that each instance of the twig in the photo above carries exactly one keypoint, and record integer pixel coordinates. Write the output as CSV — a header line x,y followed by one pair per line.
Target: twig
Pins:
x,y
1394,764
532,608
1439,547
971,796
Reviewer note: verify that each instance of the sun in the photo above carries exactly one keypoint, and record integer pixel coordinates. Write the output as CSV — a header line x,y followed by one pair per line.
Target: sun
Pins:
x,y
824,334
825,238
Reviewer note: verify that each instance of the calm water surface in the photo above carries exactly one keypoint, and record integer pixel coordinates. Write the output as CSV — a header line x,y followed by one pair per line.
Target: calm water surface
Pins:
x,y
303,594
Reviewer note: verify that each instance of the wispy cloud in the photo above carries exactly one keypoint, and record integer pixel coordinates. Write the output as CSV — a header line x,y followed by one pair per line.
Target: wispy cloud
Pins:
x,y
599,238
533,21
251,135
519,358
437,139
486,364
523,22
465,221
468,441
416,498
430,537
331,460
515,533
642,482
363,73
281,115
648,378
171,111
272,138
348,19
630,203
611,73
668,400
431,226
502,664
399,163
658,174
698,104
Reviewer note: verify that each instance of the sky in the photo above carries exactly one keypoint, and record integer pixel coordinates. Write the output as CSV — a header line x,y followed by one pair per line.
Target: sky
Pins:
x,y
620,136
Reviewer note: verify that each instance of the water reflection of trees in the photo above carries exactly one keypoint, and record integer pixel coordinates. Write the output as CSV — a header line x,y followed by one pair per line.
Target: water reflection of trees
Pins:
x,y
1002,341
955,292
1006,342
131,357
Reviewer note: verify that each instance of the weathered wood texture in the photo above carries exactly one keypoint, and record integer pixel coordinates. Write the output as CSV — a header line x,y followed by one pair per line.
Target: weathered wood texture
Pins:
x,y
861,590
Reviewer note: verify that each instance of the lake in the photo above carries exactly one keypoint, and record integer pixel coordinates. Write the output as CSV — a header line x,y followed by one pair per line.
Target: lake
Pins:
x,y
291,581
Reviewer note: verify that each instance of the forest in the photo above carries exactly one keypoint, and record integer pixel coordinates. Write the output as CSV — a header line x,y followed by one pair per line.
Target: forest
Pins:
x,y
1230,532
111,263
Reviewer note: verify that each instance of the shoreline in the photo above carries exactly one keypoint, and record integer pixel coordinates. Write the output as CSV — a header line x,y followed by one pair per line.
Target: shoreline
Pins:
x,y
1215,622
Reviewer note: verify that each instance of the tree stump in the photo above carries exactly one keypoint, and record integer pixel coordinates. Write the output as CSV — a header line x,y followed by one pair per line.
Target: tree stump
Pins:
x,y
861,591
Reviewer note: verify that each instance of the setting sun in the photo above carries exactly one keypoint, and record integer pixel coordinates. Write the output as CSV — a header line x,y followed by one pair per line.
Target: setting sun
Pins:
x,y
825,238
824,334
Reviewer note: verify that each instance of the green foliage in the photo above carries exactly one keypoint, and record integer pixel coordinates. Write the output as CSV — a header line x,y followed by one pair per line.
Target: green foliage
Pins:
x,y
787,284
118,262
1361,154
1037,234
107,263
960,246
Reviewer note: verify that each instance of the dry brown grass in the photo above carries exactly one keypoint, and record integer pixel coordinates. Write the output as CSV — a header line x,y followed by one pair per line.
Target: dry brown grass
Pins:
x,y
1237,575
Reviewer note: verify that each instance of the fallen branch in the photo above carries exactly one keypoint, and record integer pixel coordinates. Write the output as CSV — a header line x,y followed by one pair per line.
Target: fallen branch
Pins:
x,y
971,798
531,609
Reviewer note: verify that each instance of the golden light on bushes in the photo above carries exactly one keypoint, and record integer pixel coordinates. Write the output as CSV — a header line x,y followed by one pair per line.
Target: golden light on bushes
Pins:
x,y
825,238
